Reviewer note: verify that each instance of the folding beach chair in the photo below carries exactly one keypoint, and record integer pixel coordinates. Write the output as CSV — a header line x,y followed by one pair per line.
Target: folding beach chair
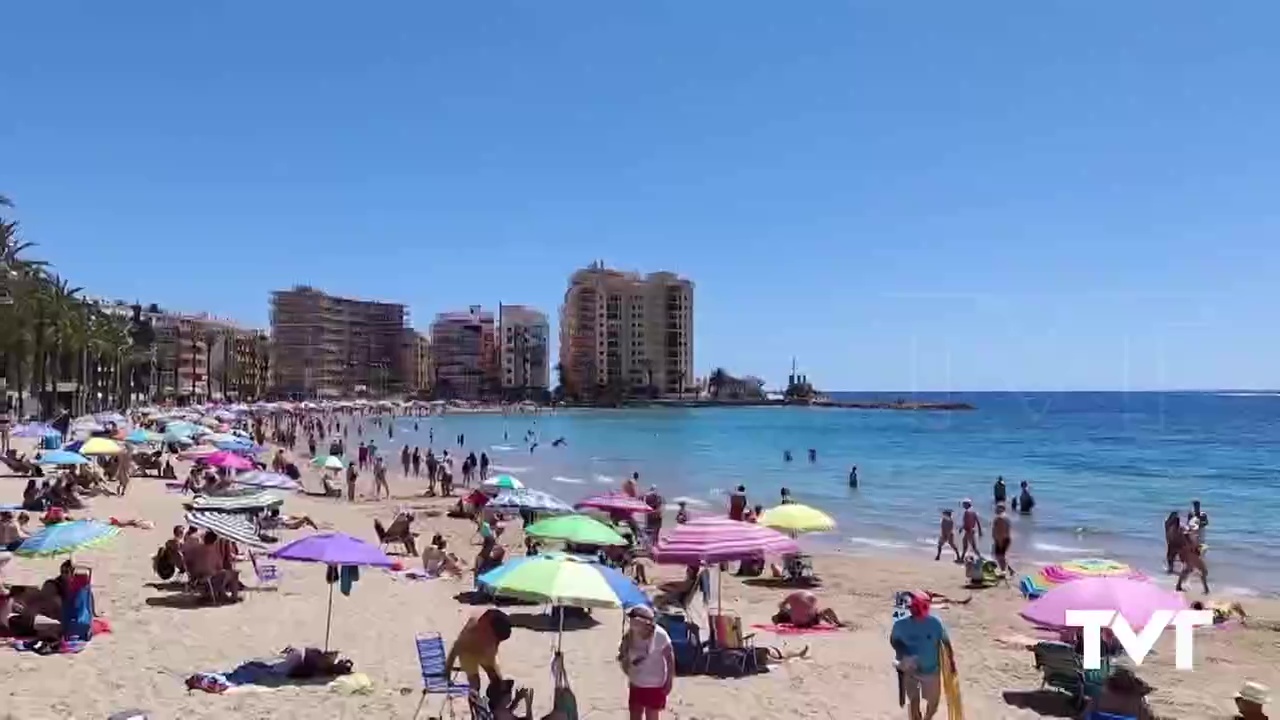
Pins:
x,y
435,676
268,574
1061,668
730,653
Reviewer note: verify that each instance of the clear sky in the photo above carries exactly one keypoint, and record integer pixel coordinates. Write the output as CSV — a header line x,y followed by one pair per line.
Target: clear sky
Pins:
x,y
905,195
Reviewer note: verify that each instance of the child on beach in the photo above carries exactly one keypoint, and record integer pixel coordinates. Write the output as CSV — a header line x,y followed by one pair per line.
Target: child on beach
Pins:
x,y
947,535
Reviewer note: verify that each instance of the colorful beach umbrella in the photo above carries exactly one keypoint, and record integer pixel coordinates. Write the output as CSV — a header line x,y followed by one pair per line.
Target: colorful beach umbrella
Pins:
x,y
139,436
228,460
614,502
1134,600
503,482
101,446
62,457
198,452
796,518
531,500
263,479
65,538
561,579
335,550
1048,577
232,526
713,540
578,529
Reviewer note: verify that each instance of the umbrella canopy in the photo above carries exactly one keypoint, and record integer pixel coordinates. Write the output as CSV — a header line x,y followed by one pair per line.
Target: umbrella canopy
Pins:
x,y
65,538
1050,576
229,460
328,462
578,529
62,457
712,539
561,579
232,526
1134,600
240,446
100,446
503,482
333,548
234,503
263,479
615,502
111,417
200,451
531,500
796,518
34,430
139,436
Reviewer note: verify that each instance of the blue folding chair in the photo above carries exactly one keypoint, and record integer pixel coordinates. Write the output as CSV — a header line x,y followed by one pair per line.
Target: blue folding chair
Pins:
x,y
435,676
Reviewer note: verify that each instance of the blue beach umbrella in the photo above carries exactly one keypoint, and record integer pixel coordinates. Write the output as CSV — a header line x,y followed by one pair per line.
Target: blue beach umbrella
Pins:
x,y
65,538
139,436
563,579
62,457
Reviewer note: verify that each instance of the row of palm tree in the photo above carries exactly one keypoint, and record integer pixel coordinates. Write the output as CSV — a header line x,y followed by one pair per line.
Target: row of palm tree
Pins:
x,y
50,333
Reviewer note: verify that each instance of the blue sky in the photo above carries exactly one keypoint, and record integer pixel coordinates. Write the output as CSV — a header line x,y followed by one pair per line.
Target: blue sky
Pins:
x,y
905,195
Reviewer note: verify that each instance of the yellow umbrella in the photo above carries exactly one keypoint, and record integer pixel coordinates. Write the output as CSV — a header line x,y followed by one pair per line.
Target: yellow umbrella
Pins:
x,y
100,446
795,518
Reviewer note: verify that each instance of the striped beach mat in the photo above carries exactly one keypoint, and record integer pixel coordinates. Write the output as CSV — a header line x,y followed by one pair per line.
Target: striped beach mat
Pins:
x,y
232,526
235,503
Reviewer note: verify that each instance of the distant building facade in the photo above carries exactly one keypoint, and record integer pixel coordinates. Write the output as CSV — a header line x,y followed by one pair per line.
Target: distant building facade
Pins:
x,y
626,330
325,346
523,348
417,359
464,354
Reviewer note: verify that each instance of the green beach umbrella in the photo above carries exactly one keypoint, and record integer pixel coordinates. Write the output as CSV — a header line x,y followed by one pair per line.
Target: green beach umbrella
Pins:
x,y
578,529
503,482
554,579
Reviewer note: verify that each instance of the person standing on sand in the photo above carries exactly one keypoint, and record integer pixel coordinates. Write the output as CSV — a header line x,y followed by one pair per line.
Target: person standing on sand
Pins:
x,y
1192,559
917,643
1001,537
352,475
947,535
648,659
404,460
380,478
1173,540
416,461
970,530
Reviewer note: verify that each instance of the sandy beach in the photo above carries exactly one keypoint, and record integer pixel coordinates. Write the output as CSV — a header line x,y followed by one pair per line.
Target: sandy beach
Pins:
x,y
154,645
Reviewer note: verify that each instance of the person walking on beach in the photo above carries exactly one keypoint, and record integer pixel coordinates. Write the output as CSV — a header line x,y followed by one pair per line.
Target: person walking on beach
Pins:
x,y
1193,559
362,455
352,475
1001,537
970,530
947,535
917,642
380,478
416,460
648,659
404,459
1173,540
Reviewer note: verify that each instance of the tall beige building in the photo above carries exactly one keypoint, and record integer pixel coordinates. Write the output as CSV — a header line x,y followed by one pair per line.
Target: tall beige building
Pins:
x,y
627,329
523,348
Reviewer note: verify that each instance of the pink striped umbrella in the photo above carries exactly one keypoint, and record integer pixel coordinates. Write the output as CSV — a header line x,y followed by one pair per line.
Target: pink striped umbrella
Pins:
x,y
229,460
715,539
614,502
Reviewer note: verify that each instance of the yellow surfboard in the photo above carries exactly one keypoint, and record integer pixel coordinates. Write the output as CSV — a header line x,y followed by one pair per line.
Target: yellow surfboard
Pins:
x,y
950,685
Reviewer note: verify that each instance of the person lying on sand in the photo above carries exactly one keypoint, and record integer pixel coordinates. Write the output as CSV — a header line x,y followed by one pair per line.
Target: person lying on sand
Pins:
x,y
274,521
1222,611
801,610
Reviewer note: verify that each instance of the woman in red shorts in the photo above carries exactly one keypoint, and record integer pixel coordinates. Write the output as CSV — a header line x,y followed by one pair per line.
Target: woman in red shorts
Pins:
x,y
649,662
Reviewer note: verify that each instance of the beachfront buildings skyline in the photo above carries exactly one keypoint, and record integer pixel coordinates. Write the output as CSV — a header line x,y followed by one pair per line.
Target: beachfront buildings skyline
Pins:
x,y
523,349
326,346
464,354
627,331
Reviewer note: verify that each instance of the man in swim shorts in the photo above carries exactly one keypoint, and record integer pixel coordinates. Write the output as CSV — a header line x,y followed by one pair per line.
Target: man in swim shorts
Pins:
x,y
970,530
947,535
476,647
1001,537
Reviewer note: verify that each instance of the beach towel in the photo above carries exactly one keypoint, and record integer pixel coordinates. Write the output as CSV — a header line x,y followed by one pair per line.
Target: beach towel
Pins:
x,y
787,629
950,685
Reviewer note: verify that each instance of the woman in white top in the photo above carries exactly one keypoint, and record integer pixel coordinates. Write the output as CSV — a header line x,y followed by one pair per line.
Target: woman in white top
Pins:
x,y
648,660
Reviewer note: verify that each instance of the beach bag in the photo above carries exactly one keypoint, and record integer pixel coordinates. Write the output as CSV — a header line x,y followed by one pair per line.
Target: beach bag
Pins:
x,y
565,703
77,614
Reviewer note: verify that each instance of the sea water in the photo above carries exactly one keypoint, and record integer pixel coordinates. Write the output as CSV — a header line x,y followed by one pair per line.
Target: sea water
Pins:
x,y
1105,468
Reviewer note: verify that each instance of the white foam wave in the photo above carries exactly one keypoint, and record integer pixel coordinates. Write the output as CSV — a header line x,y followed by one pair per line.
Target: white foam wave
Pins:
x,y
567,480
877,542
693,502
605,479
1078,551
509,469
1249,394
502,448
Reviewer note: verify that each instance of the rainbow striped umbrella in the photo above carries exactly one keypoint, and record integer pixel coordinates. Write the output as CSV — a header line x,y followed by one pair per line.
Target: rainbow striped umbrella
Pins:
x,y
65,538
713,540
1051,576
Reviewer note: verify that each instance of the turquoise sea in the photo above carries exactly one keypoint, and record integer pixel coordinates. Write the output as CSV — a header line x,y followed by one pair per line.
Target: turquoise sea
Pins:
x,y
1105,467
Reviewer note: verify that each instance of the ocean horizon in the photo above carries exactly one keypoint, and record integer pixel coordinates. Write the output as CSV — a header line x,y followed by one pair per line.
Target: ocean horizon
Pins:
x,y
1106,467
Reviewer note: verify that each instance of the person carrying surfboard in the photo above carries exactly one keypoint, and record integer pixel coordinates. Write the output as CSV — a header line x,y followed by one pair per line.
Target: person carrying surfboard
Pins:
x,y
918,643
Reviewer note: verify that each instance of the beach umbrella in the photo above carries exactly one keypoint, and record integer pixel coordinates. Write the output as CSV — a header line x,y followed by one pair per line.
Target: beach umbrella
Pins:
x,y
503,482
531,500
228,460
100,446
1044,579
578,529
333,463
62,457
715,540
249,502
795,518
563,579
335,550
35,430
232,526
1135,600
140,436
263,479
198,452
615,503
65,538
111,417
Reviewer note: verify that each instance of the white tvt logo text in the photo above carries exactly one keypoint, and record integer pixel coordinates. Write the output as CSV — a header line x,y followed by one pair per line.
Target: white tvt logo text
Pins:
x,y
1137,645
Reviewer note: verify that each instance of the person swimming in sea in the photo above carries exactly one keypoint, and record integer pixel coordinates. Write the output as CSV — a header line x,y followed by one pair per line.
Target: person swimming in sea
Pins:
x,y
999,493
853,477
1025,502
786,456
559,442
813,455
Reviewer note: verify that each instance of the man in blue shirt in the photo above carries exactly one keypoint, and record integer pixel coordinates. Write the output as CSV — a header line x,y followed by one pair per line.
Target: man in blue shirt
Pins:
x,y
917,643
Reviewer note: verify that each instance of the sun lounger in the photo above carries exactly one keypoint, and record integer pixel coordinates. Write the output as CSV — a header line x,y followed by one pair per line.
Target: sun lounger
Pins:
x,y
435,676
399,532
1061,668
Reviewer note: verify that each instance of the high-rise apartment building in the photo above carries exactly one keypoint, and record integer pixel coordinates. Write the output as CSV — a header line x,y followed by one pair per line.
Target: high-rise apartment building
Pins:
x,y
627,330
523,348
464,354
329,346
417,359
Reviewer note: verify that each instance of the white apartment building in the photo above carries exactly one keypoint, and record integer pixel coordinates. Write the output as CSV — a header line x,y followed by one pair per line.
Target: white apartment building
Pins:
x,y
523,347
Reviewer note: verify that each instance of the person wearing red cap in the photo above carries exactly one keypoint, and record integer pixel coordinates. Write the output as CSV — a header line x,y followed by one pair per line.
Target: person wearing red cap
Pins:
x,y
917,643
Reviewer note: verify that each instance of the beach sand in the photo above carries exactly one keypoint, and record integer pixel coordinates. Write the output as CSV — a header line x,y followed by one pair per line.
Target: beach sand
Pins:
x,y
155,646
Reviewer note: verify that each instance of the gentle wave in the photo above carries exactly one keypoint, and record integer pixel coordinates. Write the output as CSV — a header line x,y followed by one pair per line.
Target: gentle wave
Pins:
x,y
877,542
502,448
605,479
691,501
568,480
1079,551
509,469
1249,394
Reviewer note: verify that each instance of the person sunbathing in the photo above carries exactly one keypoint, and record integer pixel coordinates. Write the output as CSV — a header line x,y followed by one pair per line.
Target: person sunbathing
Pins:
x,y
274,521
801,609
1123,695
437,560
1222,611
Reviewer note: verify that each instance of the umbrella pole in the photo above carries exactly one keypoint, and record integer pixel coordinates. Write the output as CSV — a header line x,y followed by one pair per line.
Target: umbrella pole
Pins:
x,y
328,621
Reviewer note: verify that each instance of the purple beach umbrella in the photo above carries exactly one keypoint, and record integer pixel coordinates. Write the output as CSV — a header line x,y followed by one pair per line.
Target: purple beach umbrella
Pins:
x,y
334,549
